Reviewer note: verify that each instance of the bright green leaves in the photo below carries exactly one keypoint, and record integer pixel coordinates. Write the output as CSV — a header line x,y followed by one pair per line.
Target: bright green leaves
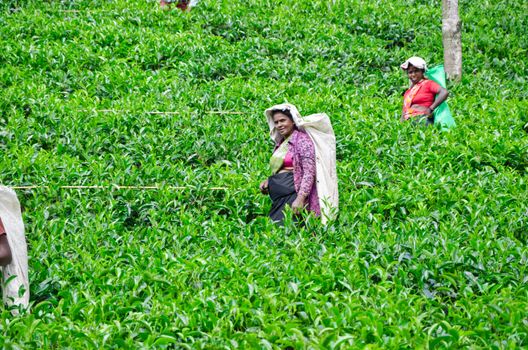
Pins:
x,y
430,247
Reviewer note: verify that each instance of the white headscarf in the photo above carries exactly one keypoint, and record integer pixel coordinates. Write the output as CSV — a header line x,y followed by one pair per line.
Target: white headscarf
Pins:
x,y
16,291
319,128
416,61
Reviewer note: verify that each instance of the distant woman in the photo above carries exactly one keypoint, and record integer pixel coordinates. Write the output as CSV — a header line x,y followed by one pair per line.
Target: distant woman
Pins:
x,y
183,5
13,252
303,175
5,251
423,96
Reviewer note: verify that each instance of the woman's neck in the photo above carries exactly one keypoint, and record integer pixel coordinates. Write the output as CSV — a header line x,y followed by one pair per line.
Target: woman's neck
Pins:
x,y
289,135
418,82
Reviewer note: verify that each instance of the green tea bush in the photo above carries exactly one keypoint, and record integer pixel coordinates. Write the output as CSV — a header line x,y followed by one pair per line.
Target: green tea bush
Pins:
x,y
429,250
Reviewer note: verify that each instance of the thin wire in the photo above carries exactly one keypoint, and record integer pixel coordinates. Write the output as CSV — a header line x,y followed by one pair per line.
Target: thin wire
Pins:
x,y
153,112
117,187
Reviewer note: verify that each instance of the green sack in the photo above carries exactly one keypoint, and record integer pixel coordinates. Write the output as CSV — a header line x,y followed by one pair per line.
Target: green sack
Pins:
x,y
442,114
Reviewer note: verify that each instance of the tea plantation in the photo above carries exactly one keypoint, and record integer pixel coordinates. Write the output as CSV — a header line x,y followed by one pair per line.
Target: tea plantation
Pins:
x,y
430,248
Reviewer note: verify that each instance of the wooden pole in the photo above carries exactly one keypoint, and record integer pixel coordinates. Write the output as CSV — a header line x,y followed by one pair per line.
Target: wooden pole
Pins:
x,y
451,37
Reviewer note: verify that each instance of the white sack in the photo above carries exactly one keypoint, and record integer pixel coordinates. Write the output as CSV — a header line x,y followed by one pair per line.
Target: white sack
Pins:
x,y
16,290
319,128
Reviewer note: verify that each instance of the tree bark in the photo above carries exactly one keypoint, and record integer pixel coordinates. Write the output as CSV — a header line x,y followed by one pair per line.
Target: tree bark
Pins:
x,y
451,37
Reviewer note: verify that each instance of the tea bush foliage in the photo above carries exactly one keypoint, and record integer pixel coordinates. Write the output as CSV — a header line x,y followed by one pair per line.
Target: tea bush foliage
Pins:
x,y
429,250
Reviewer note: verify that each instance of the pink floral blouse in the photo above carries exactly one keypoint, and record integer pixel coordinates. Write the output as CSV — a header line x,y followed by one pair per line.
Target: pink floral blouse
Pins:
x,y
304,169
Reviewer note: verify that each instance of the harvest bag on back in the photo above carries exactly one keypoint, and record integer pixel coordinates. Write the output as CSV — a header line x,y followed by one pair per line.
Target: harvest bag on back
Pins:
x,y
15,282
442,114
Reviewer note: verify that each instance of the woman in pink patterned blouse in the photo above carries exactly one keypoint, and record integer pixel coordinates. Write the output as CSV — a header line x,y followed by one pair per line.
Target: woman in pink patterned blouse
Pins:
x,y
184,5
293,179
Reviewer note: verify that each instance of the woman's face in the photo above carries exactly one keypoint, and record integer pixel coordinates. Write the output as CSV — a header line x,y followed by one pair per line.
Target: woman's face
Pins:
x,y
283,124
414,74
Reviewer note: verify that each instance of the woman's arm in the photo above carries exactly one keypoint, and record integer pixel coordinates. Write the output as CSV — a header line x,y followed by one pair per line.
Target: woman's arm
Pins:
x,y
5,251
306,150
440,97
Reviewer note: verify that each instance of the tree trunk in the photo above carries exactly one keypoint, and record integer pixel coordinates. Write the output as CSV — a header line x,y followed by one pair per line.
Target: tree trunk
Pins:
x,y
451,37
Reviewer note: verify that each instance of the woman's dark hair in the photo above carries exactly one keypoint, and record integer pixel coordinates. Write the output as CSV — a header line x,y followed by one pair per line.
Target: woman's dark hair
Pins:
x,y
420,69
286,112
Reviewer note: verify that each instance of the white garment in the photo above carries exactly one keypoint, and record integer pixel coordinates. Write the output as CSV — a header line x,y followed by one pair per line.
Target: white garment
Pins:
x,y
16,291
319,128
416,61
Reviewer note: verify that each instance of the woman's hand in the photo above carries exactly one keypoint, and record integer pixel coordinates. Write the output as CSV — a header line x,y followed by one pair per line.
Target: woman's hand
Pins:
x,y
428,112
264,187
298,204
422,110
